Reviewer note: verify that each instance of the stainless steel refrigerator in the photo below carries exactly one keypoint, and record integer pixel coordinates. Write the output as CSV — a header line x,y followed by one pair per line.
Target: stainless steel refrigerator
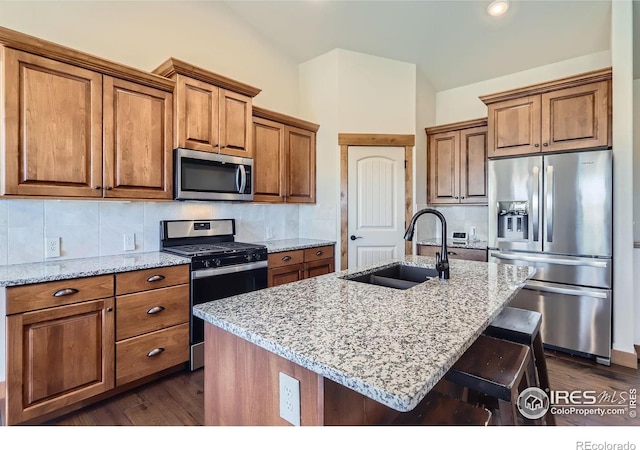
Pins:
x,y
554,212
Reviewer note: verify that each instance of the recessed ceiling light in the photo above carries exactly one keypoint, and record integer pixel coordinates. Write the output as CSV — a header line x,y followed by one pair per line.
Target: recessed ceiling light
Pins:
x,y
498,7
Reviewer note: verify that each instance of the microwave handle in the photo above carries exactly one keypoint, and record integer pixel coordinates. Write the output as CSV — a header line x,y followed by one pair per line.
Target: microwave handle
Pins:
x,y
243,179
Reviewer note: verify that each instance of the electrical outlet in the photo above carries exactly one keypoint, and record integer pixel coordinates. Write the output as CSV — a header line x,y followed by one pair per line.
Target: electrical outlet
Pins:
x,y
52,247
129,241
290,399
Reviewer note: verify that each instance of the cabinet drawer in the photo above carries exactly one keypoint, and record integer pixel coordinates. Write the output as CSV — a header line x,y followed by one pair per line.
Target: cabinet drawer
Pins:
x,y
56,293
471,254
151,310
143,280
316,253
150,353
285,258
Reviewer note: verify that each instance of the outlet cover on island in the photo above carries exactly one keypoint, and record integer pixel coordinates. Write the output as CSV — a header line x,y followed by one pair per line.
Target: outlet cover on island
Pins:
x,y
129,241
290,399
52,247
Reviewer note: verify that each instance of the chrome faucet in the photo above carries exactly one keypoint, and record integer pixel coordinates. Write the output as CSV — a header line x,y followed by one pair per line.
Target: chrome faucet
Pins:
x,y
442,263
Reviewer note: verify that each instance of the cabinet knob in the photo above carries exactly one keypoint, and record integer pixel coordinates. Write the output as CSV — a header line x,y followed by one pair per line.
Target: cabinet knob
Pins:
x,y
286,258
546,144
109,309
98,187
456,197
319,252
109,188
461,197
452,253
536,145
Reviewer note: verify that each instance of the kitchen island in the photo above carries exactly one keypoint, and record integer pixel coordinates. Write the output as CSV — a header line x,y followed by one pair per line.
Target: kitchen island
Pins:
x,y
362,353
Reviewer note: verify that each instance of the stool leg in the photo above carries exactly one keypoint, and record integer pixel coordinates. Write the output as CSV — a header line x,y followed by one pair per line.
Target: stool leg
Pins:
x,y
543,376
508,414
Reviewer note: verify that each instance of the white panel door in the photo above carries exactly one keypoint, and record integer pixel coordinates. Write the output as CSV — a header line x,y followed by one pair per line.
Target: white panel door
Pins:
x,y
376,204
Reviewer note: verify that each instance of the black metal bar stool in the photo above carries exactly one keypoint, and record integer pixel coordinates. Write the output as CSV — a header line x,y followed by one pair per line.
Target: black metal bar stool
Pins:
x,y
439,409
523,327
495,368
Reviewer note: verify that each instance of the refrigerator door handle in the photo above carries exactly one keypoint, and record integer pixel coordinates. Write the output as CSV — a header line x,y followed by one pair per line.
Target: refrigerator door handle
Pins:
x,y
535,203
548,260
577,292
549,201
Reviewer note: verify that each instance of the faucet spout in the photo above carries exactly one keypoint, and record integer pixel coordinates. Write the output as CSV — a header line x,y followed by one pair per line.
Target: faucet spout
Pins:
x,y
442,262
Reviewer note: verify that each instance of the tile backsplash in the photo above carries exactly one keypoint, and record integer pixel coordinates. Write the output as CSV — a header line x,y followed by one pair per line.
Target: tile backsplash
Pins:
x,y
97,228
459,218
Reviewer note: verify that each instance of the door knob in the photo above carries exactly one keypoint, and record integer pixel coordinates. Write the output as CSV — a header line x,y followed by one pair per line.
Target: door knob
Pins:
x,y
354,237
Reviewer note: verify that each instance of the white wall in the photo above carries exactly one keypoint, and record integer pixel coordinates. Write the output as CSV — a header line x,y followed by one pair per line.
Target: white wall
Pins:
x,y
622,62
143,35
425,117
636,160
349,92
462,103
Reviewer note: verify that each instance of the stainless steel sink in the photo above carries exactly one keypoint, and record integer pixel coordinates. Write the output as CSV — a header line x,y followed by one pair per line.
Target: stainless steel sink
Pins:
x,y
398,276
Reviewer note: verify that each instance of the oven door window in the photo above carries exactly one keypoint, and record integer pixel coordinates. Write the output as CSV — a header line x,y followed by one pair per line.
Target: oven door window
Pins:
x,y
217,287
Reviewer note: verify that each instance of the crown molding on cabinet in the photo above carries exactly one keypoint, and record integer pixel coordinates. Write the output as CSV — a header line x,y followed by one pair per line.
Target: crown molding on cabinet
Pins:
x,y
174,66
482,122
283,118
30,44
547,86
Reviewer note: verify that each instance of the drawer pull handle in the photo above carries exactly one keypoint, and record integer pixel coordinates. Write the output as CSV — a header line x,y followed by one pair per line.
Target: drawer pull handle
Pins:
x,y
452,253
156,310
319,252
155,352
155,278
63,292
286,258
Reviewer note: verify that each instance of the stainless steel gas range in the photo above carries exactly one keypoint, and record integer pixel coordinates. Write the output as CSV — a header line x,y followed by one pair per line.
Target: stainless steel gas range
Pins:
x,y
220,267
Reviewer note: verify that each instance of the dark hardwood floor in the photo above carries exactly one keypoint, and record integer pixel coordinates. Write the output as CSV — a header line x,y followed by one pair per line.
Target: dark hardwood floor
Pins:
x,y
179,399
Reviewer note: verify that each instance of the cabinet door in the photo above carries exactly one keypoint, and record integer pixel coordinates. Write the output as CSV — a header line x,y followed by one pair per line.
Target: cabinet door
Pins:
x,y
197,115
514,127
53,127
268,161
576,118
235,124
300,157
58,356
137,141
285,274
317,268
443,170
473,165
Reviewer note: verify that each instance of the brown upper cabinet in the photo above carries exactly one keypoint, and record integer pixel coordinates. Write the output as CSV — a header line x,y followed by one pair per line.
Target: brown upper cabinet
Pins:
x,y
212,112
568,114
80,126
285,158
457,163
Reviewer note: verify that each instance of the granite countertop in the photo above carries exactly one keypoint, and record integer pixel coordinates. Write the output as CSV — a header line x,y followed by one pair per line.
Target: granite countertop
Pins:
x,y
18,274
480,245
390,345
286,245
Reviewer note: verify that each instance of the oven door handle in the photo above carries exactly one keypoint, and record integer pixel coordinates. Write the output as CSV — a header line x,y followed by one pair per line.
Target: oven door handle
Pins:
x,y
229,269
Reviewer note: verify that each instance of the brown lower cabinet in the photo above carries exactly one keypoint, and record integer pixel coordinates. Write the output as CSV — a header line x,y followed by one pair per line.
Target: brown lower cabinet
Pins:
x,y
471,254
296,265
73,340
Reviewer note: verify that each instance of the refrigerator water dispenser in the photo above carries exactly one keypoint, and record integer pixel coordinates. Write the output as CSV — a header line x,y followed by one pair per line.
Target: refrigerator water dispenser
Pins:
x,y
513,220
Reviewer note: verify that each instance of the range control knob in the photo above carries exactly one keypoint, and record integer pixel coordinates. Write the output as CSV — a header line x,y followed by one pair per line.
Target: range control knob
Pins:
x,y
207,263
216,262
257,256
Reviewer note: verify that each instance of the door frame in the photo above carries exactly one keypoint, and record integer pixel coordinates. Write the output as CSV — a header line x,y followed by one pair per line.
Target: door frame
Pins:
x,y
346,140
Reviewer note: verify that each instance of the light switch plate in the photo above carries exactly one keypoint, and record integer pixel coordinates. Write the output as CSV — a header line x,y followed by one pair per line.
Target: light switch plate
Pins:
x,y
129,241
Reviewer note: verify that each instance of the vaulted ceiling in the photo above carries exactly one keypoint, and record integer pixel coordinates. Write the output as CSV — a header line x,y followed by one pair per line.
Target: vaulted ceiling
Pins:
x,y
454,43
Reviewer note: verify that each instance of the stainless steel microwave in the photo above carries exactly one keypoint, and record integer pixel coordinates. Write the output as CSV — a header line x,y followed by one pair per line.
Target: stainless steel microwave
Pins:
x,y
211,176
